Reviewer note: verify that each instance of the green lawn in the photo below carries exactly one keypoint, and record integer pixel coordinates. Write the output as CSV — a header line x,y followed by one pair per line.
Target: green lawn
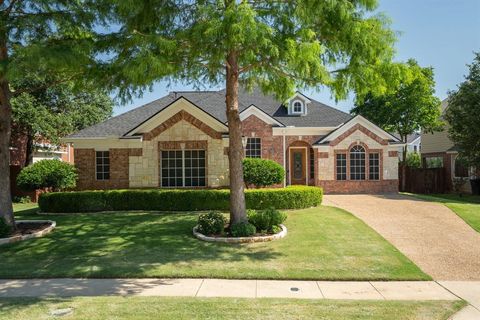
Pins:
x,y
129,308
322,243
466,207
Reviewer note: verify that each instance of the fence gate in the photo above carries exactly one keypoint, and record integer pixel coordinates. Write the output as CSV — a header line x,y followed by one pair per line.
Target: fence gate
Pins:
x,y
423,180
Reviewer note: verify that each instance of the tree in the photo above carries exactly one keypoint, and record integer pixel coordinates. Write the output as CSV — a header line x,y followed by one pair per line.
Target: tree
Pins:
x,y
406,108
463,115
54,111
275,45
51,35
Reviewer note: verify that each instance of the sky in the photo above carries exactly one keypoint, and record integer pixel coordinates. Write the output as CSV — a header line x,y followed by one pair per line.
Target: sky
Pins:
x,y
442,34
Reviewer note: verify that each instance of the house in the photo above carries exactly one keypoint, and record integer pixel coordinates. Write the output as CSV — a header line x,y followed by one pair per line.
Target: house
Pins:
x,y
414,144
181,140
438,151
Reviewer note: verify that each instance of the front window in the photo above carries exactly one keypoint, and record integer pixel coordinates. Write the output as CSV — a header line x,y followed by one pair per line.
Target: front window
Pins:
x,y
341,164
357,163
183,168
102,160
374,166
253,148
312,164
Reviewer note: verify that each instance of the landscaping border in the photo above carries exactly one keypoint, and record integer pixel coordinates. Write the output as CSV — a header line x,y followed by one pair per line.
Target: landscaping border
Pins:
x,y
271,237
37,234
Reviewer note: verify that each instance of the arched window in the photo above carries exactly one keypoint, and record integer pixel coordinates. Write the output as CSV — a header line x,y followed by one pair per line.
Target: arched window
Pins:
x,y
297,107
357,163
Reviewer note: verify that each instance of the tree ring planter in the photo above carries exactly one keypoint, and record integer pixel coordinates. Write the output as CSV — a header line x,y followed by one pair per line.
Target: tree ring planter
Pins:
x,y
270,237
36,234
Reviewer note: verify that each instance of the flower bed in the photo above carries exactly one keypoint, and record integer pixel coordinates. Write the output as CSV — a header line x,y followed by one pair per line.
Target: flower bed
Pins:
x,y
28,229
255,238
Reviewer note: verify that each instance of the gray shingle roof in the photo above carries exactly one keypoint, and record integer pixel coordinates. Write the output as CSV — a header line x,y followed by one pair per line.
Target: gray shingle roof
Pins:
x,y
213,102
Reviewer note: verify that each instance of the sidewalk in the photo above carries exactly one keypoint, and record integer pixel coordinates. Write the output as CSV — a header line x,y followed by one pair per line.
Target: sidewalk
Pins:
x,y
344,290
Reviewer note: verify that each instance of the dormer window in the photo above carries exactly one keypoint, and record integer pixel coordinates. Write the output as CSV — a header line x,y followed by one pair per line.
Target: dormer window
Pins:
x,y
297,107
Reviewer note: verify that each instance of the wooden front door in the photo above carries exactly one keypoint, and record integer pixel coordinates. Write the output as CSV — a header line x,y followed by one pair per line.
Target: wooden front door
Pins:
x,y
298,166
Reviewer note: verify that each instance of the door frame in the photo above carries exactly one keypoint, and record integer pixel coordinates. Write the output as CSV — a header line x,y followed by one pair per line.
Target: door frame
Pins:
x,y
290,164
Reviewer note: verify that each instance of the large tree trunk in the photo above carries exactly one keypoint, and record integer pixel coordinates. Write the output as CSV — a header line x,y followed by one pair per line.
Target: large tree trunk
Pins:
x,y
235,150
6,209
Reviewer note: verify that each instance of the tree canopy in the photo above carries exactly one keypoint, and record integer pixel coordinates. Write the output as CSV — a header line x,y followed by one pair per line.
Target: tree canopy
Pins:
x,y
54,36
278,46
406,108
463,115
56,108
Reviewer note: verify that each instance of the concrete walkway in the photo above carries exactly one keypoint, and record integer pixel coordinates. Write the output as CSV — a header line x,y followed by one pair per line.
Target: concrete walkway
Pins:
x,y
429,233
375,290
335,290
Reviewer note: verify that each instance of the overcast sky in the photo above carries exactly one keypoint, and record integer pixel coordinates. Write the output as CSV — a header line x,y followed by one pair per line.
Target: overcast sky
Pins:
x,y
438,33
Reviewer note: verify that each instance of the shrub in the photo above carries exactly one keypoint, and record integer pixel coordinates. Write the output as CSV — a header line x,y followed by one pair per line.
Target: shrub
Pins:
x,y
266,220
413,160
242,229
5,229
211,223
54,174
18,199
262,172
177,200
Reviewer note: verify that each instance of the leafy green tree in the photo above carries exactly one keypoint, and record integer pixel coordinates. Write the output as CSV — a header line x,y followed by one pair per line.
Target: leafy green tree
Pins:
x,y
463,115
407,108
50,35
54,111
275,45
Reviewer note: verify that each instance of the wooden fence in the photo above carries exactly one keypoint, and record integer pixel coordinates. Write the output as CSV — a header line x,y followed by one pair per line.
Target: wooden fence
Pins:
x,y
423,180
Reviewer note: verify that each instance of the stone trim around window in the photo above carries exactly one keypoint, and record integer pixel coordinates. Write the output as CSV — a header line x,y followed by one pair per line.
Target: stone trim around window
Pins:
x,y
179,116
367,165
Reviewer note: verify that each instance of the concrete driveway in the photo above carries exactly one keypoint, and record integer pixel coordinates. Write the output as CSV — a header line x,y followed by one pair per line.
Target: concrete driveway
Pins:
x,y
429,233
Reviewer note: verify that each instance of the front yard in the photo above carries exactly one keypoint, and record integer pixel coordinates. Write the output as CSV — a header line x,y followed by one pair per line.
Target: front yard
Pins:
x,y
221,308
466,207
322,243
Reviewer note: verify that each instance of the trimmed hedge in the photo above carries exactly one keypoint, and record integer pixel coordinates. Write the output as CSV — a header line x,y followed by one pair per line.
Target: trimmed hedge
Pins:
x,y
294,197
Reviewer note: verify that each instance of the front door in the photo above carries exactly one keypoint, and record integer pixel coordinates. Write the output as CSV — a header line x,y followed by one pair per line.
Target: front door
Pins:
x,y
298,167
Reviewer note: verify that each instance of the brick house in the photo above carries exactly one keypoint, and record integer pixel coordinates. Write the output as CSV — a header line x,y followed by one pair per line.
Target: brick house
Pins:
x,y
181,140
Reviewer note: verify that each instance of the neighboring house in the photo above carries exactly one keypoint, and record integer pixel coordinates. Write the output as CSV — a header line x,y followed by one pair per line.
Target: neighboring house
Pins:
x,y
439,151
414,144
181,140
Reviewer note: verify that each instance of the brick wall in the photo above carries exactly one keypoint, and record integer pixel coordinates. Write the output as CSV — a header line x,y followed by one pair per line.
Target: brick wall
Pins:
x,y
382,186
85,164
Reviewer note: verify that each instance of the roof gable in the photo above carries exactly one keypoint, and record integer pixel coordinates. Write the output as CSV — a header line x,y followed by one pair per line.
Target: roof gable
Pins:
x,y
255,111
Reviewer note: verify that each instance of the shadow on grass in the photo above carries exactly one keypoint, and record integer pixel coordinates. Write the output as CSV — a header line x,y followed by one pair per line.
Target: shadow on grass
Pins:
x,y
117,245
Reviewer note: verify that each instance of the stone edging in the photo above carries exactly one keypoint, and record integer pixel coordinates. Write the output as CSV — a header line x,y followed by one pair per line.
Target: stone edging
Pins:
x,y
37,234
272,237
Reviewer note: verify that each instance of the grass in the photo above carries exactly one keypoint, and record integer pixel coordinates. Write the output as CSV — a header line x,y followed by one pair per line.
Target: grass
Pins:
x,y
323,243
130,308
466,207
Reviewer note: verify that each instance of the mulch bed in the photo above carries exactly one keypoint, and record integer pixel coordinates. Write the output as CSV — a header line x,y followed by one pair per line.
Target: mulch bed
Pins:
x,y
24,228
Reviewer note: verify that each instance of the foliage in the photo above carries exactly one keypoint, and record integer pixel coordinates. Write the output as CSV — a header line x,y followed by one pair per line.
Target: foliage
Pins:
x,y
262,172
278,46
177,200
54,174
408,107
463,115
23,200
5,229
58,108
211,223
266,220
242,229
414,160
